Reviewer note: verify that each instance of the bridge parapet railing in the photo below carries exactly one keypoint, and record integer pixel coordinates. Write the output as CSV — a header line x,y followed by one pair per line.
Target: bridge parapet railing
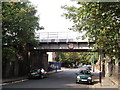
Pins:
x,y
57,40
58,37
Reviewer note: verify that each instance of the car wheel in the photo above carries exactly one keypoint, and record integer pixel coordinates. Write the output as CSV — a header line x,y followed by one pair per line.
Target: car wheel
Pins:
x,y
91,83
77,82
42,76
29,77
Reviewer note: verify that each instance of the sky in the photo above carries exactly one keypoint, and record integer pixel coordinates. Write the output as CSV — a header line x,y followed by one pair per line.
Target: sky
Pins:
x,y
50,14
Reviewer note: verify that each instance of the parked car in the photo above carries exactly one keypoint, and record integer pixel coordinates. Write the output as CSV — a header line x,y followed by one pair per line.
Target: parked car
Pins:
x,y
37,73
84,76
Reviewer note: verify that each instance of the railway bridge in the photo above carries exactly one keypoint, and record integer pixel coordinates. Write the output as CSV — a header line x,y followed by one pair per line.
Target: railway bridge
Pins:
x,y
57,42
62,41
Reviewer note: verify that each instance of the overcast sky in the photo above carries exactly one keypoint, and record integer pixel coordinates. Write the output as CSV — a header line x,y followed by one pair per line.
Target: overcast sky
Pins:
x,y
50,12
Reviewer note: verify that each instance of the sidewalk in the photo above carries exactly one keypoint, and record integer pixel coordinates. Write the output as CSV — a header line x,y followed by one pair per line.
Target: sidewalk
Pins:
x,y
113,80
23,78
8,80
105,83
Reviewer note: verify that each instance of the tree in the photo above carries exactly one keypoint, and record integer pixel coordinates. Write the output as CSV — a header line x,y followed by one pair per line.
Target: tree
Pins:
x,y
101,21
76,58
19,23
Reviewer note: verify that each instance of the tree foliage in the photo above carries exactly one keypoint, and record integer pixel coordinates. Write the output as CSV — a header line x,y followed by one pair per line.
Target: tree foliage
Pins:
x,y
9,53
101,21
76,58
19,22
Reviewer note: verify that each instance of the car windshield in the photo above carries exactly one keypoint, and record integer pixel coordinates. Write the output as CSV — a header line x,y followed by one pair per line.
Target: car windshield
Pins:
x,y
84,72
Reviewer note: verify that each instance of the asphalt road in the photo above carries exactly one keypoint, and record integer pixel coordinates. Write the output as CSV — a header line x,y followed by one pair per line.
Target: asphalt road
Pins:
x,y
62,79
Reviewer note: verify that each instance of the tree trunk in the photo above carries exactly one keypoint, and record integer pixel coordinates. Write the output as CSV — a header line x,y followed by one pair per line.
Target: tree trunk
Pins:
x,y
103,70
103,65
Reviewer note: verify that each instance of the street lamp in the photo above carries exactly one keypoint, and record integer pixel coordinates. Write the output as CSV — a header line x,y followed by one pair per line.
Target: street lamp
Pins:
x,y
100,74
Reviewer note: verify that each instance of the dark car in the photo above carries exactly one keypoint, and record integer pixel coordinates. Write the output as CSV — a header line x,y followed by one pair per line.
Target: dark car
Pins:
x,y
84,76
37,73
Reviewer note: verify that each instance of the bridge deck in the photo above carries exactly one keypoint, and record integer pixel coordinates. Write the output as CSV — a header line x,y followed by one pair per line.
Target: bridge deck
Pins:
x,y
66,42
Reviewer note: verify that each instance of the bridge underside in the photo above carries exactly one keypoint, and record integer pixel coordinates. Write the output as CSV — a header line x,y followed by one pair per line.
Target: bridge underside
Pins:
x,y
64,50
65,47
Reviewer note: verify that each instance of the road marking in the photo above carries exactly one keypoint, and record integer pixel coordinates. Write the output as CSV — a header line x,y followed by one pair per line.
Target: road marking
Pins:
x,y
13,82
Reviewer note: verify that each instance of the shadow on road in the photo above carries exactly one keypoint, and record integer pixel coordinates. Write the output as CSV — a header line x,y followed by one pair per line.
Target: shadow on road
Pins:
x,y
95,82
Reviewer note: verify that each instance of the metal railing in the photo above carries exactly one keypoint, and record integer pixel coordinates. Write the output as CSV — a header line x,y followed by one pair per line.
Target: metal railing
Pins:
x,y
59,37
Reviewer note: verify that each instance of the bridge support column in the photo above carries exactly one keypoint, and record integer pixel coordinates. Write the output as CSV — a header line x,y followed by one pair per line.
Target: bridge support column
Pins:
x,y
38,60
45,61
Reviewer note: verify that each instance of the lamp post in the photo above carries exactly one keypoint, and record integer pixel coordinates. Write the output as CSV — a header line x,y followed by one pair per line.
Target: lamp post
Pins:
x,y
93,59
100,74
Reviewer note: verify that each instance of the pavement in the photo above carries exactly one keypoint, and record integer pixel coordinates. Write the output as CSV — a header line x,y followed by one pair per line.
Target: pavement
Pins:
x,y
113,80
105,83
23,78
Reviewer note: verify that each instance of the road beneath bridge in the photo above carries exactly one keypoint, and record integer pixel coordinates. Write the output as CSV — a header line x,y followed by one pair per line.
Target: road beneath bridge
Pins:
x,y
62,79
